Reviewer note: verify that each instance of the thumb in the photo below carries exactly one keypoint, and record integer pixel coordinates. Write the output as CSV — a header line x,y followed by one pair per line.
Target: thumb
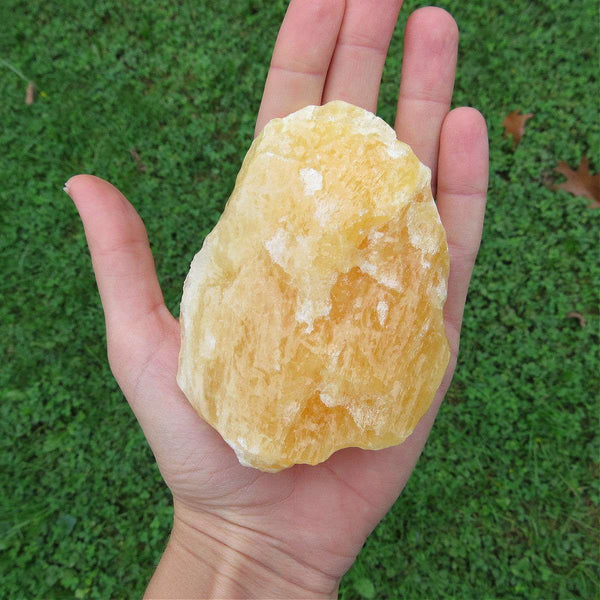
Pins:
x,y
134,310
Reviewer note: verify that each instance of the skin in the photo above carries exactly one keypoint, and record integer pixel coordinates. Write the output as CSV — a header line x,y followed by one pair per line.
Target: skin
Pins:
x,y
238,532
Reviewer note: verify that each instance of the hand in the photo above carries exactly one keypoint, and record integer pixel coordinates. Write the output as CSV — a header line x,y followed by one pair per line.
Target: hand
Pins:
x,y
239,532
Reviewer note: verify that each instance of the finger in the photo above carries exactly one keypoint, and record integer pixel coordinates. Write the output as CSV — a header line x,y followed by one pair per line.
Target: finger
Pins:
x,y
301,58
121,255
461,198
355,70
428,66
136,318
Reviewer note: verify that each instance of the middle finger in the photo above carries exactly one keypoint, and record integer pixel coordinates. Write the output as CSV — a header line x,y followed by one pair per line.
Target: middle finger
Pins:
x,y
301,58
362,45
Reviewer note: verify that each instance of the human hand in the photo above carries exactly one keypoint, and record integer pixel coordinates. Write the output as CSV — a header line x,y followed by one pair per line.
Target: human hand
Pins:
x,y
239,532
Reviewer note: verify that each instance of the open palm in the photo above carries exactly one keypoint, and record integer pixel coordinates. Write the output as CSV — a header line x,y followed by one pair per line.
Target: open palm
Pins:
x,y
316,518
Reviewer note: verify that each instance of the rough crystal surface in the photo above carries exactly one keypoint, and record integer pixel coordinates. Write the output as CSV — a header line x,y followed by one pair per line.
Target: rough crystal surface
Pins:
x,y
312,316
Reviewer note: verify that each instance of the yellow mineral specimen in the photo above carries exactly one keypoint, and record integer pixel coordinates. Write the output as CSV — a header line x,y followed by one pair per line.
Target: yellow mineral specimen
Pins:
x,y
312,316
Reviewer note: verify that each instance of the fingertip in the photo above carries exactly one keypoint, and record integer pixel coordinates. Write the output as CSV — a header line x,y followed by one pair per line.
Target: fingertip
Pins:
x,y
74,181
467,122
93,197
435,27
464,152
68,188
84,184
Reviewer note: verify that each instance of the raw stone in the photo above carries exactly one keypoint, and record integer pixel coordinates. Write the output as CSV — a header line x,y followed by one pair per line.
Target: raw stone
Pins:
x,y
312,316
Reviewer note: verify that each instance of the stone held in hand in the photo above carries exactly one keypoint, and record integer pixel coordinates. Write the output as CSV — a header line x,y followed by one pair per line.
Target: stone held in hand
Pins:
x,y
312,316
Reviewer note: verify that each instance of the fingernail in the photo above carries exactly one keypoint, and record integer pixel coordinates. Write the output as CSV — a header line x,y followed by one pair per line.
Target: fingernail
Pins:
x,y
66,189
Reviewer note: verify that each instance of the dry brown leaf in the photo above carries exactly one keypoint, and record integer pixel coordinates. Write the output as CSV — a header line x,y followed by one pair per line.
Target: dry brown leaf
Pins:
x,y
514,125
30,93
580,182
138,159
576,315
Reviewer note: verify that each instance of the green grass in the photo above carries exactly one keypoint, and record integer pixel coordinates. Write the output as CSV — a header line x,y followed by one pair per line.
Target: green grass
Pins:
x,y
505,500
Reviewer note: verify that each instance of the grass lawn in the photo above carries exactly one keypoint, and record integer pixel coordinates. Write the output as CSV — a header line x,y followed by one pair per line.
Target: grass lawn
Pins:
x,y
505,500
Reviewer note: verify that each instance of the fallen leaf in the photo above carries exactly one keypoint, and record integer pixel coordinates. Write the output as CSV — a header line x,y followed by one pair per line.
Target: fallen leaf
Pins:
x,y
138,160
30,93
576,315
514,125
580,182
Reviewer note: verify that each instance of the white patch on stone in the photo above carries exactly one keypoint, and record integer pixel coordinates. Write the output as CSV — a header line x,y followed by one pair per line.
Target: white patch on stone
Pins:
x,y
421,233
363,416
421,240
440,291
327,400
382,312
200,266
209,343
303,245
276,246
308,311
396,150
290,411
358,302
424,262
390,282
279,157
312,180
371,125
400,198
305,314
324,212
307,112
369,269
424,174
375,235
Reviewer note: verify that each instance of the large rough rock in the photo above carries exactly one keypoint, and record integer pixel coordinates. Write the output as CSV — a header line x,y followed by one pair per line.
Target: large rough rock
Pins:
x,y
312,316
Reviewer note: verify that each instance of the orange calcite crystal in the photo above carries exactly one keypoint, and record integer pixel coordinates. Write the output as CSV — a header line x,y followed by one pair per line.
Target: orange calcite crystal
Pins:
x,y
312,316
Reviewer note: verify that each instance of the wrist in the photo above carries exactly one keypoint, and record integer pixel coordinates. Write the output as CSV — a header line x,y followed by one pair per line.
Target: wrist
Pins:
x,y
210,557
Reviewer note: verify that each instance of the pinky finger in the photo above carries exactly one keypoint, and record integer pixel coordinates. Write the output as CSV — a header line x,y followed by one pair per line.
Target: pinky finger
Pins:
x,y
461,198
